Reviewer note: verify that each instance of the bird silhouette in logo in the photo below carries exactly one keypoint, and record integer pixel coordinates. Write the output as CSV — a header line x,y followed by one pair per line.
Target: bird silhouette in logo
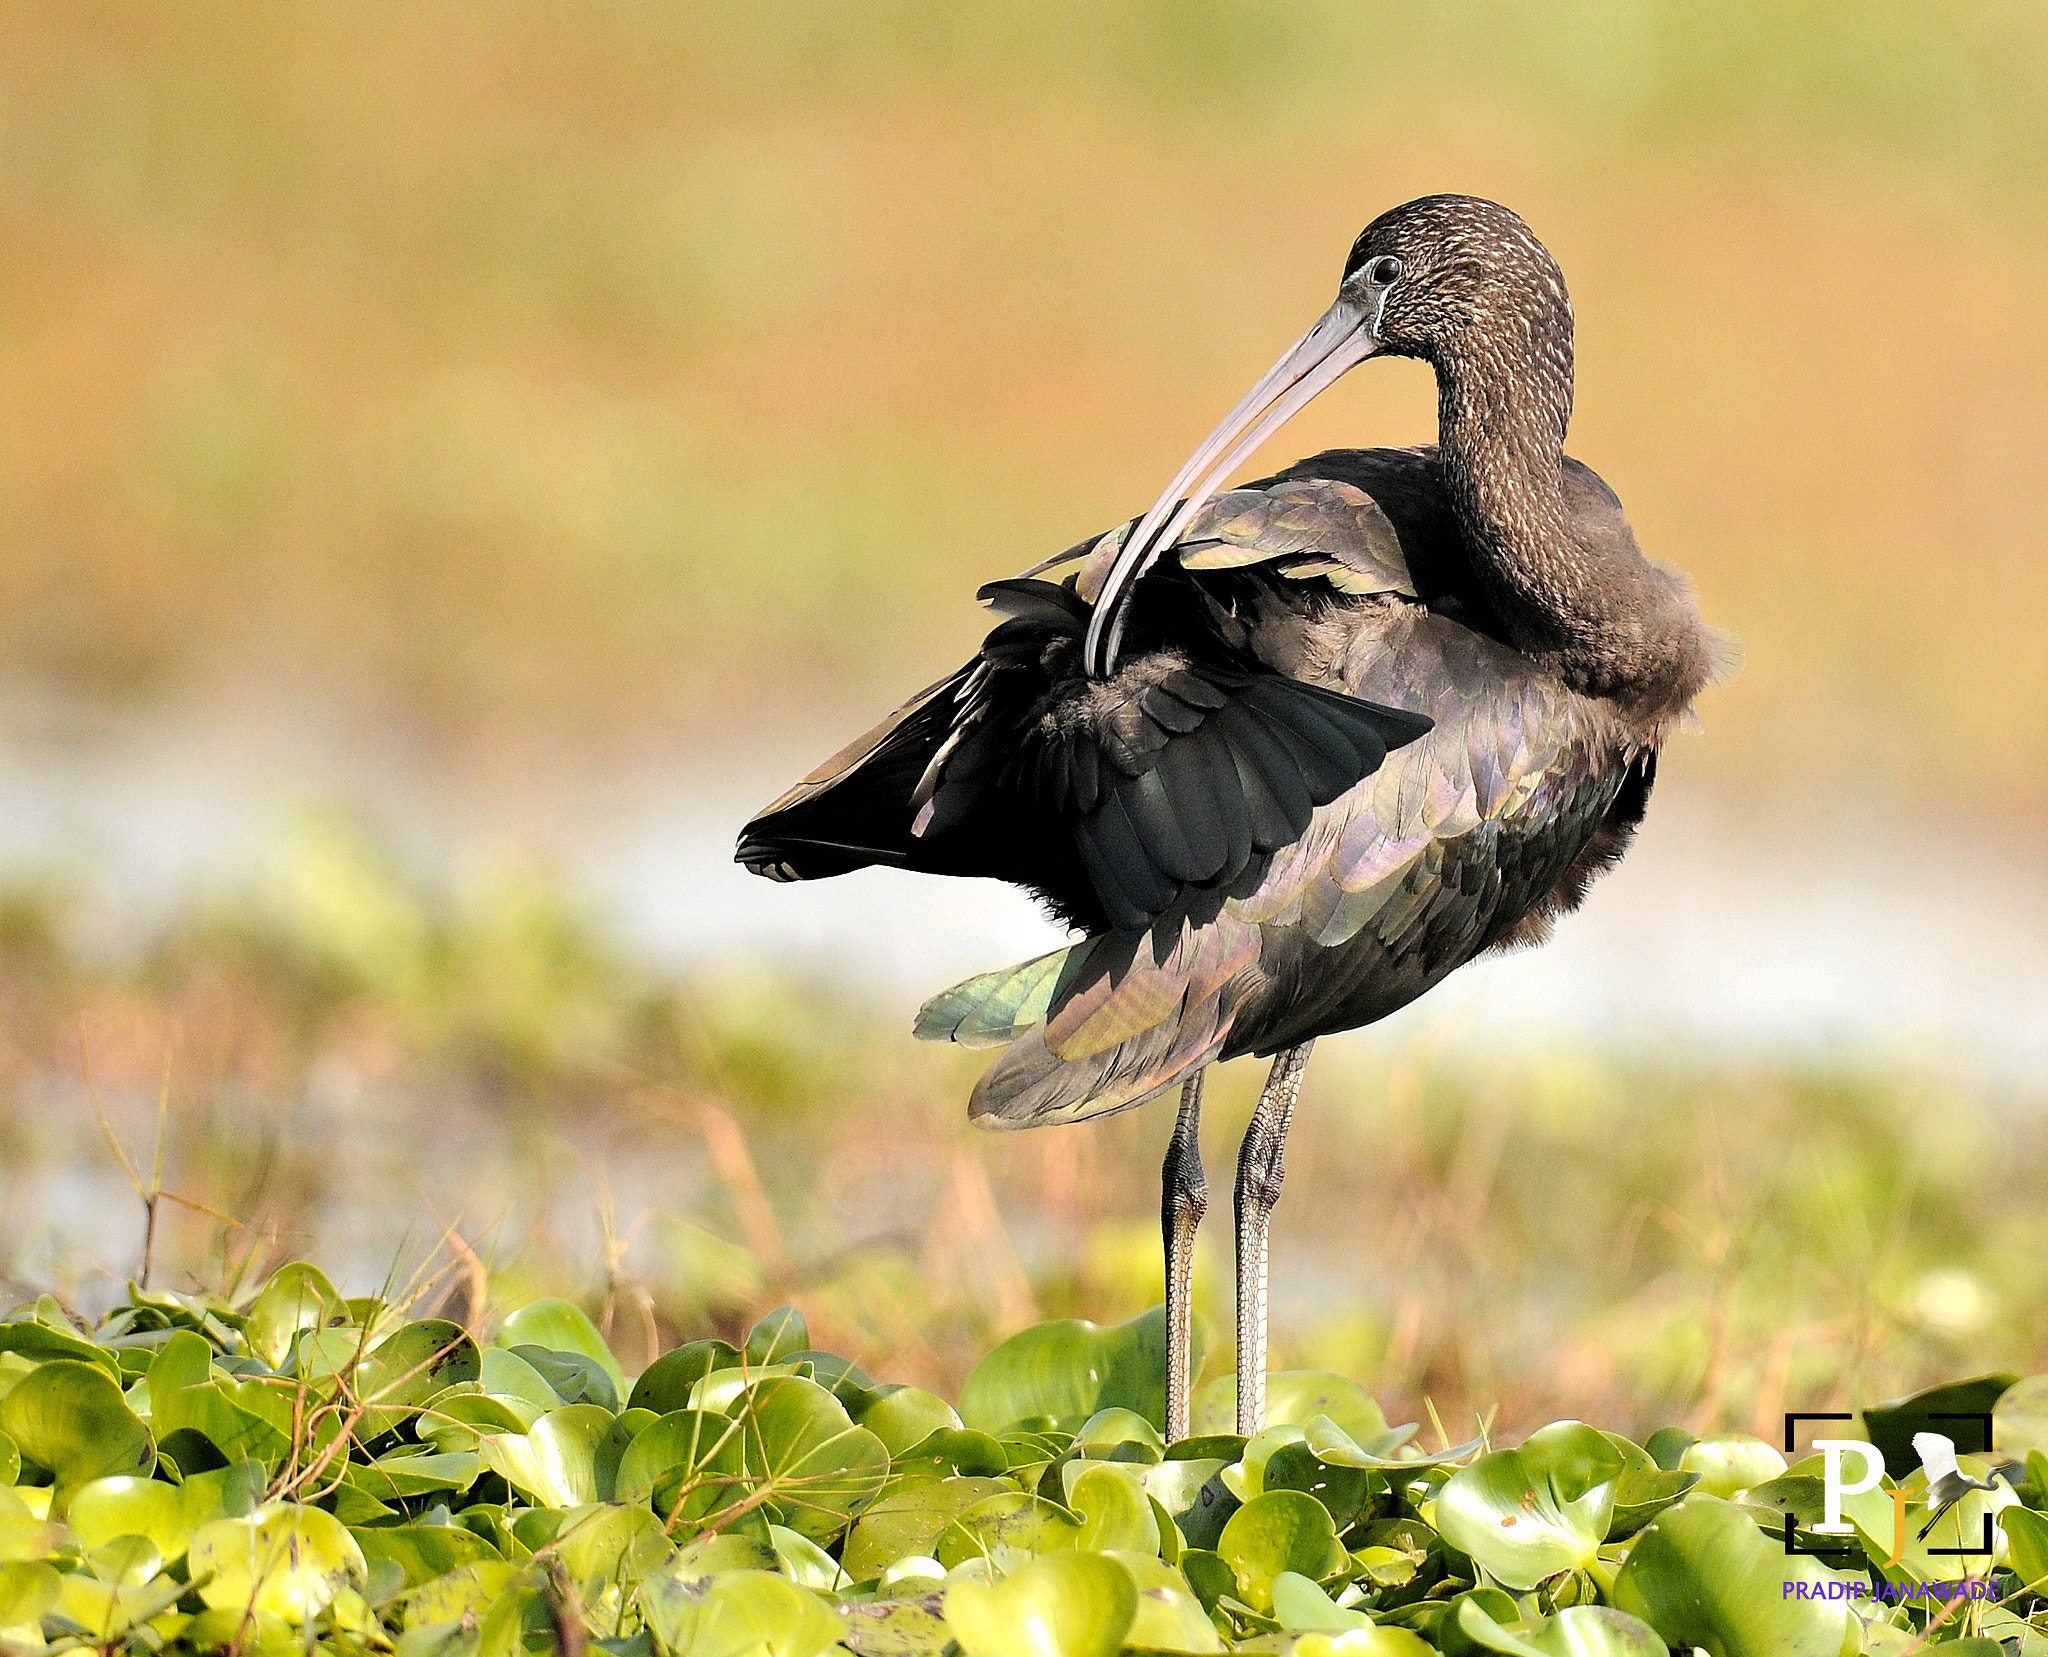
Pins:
x,y
1947,1483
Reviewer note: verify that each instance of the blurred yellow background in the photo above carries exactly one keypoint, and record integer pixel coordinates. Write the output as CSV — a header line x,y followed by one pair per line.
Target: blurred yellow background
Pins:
x,y
608,373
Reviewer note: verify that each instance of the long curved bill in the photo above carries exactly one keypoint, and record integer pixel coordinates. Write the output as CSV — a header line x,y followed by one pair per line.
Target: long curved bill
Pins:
x,y
1342,338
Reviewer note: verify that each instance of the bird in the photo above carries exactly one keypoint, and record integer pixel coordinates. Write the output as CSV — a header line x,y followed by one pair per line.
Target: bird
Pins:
x,y
1947,1483
1284,755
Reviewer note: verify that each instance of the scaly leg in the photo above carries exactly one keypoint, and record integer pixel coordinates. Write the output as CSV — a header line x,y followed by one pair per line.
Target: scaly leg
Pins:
x,y
1184,1199
1259,1173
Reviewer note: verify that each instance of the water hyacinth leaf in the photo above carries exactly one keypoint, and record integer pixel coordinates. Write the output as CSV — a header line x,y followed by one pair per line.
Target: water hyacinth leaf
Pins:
x,y
286,1559
70,1419
899,1627
1282,1530
125,1505
10,1460
409,1367
1345,1491
1891,1426
2026,1537
910,1521
1362,1642
2019,1421
1333,1446
423,1552
1169,1616
1193,1496
298,1296
507,1376
904,1417
28,1592
39,1341
1526,1514
687,1457
1576,1631
954,1451
571,1376
805,1563
804,1450
1294,1398
603,1543
1644,1489
185,1396
554,1463
458,1420
1300,1603
776,1338
1702,1574
1116,1515
394,1478
1066,1371
739,1614
1117,1434
1006,1529
559,1325
667,1382
1067,1605
1730,1463
464,1593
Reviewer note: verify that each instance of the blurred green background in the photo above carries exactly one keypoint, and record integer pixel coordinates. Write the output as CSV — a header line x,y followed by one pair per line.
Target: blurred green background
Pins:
x,y
530,396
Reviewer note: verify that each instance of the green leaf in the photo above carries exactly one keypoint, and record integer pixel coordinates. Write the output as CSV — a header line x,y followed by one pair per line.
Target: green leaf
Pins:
x,y
393,1478
817,1467
1169,1617
285,1559
691,1457
910,1521
1006,1529
28,1592
2026,1534
10,1461
1282,1530
125,1505
1300,1603
1294,1398
2019,1422
1066,1605
563,1326
1729,1463
739,1614
554,1463
186,1396
1066,1371
70,1419
1116,1515
1193,1496
1577,1631
410,1367
1891,1426
903,1417
777,1338
1644,1489
423,1552
603,1543
951,1451
1526,1514
462,1594
667,1383
39,1341
1702,1574
298,1296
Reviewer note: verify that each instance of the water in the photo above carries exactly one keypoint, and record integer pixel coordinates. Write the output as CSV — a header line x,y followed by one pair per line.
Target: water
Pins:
x,y
1717,932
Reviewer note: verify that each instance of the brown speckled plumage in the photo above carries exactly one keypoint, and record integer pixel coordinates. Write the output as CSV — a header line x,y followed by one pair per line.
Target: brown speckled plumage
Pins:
x,y
1259,838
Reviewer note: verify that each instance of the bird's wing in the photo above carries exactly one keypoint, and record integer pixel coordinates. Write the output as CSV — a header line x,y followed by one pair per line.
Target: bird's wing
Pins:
x,y
1304,529
1175,777
1407,875
1937,1454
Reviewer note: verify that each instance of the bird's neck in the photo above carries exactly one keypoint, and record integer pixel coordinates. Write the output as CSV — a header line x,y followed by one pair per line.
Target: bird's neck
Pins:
x,y
1502,415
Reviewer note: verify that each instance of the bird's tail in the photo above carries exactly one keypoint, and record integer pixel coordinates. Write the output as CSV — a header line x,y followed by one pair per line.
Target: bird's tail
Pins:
x,y
1099,1026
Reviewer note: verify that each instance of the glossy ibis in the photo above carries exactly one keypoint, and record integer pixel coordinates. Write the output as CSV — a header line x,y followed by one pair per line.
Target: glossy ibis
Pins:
x,y
1286,755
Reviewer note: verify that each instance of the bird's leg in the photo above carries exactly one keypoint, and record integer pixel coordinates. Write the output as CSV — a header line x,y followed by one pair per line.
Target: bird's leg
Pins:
x,y
1184,1199
1259,1172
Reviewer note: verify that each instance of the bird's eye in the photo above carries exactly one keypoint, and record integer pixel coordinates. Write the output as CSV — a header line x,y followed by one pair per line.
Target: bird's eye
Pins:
x,y
1384,272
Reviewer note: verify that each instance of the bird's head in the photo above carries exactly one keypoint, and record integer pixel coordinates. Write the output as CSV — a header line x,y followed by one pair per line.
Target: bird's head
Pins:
x,y
1448,278
1451,279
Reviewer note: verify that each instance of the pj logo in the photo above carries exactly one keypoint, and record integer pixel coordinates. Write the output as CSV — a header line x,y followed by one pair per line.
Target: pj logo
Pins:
x,y
1946,1485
